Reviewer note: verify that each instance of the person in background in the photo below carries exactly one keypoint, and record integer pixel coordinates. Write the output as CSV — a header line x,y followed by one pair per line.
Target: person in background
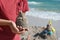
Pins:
x,y
49,30
8,13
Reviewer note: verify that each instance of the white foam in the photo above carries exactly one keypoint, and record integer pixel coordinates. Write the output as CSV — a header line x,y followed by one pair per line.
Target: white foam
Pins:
x,y
33,2
44,14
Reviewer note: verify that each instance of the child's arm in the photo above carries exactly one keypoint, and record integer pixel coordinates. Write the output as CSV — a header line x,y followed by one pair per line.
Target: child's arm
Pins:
x,y
11,24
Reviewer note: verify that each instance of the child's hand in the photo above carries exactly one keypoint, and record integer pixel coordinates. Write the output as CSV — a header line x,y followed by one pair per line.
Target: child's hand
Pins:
x,y
21,28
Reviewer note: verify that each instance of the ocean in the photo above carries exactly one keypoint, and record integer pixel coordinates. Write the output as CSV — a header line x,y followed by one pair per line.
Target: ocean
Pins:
x,y
46,9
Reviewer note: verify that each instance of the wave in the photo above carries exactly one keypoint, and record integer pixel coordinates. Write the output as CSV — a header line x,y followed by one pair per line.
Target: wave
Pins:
x,y
33,2
44,14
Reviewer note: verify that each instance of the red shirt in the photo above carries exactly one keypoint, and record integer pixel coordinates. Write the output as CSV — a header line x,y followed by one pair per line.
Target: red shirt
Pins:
x,y
9,10
23,5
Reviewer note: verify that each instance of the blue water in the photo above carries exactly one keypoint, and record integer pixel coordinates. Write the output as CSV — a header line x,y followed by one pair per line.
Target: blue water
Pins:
x,y
48,9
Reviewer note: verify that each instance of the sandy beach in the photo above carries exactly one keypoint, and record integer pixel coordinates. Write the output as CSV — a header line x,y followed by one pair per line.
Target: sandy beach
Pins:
x,y
35,21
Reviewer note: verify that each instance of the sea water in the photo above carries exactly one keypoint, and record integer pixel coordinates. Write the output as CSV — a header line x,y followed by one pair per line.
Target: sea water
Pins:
x,y
47,9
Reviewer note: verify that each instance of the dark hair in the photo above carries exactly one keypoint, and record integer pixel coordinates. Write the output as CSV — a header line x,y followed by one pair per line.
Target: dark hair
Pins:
x,y
47,25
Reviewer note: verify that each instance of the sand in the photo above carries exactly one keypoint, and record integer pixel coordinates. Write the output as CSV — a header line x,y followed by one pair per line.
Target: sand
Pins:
x,y
36,25
35,21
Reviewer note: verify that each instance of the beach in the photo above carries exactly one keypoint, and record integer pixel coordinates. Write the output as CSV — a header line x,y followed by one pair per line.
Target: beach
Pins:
x,y
39,22
40,12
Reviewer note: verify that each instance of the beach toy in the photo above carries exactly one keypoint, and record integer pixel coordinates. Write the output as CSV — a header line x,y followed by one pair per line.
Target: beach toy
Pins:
x,y
50,22
53,29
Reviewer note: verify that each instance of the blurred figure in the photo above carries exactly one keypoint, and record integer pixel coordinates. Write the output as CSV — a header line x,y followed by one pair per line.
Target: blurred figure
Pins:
x,y
48,31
